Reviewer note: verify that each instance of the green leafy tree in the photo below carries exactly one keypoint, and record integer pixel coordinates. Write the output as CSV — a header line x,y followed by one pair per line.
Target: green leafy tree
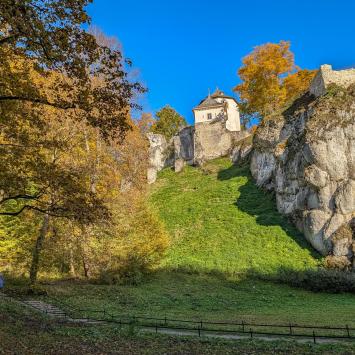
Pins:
x,y
168,122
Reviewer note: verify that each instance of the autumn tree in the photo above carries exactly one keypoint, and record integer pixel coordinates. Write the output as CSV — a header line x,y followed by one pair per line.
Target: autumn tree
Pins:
x,y
270,79
49,36
50,33
56,82
297,83
145,123
113,249
168,122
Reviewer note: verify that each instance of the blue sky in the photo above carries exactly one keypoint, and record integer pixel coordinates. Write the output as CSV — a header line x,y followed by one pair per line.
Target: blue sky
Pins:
x,y
183,48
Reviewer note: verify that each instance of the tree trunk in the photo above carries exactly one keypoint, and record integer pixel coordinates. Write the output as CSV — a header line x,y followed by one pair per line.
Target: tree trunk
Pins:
x,y
84,255
86,267
38,248
71,261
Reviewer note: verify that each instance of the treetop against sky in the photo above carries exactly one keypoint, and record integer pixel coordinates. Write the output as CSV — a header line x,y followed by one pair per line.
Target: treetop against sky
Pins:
x,y
182,48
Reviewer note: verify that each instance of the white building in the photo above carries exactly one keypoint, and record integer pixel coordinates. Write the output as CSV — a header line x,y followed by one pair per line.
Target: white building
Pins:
x,y
218,106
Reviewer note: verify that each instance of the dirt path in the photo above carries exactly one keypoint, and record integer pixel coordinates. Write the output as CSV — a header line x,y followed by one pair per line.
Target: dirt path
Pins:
x,y
46,308
210,334
57,313
52,311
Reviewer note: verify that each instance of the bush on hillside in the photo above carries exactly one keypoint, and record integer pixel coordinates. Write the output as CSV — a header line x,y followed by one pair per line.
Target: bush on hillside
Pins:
x,y
129,251
318,280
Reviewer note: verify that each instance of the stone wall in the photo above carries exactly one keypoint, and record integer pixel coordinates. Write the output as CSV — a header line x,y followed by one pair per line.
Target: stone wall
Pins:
x,y
326,76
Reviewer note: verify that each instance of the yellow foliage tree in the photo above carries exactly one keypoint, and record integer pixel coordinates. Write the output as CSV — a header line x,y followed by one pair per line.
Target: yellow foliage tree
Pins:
x,y
297,83
270,79
64,169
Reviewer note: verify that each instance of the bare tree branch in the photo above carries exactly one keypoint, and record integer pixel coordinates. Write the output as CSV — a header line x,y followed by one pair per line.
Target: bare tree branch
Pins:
x,y
20,197
35,208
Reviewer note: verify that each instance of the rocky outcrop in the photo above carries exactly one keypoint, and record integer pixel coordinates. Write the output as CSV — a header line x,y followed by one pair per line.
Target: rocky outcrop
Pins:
x,y
306,155
161,155
184,148
213,140
194,145
242,150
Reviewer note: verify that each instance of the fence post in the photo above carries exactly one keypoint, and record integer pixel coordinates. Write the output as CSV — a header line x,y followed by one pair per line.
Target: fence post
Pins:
x,y
199,331
251,333
243,326
290,329
348,331
156,327
165,321
201,324
314,337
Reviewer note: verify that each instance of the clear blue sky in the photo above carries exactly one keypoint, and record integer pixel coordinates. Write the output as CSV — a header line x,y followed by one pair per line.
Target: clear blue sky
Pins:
x,y
182,48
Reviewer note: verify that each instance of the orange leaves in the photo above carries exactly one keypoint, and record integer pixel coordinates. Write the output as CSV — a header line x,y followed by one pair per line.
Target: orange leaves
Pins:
x,y
298,82
269,79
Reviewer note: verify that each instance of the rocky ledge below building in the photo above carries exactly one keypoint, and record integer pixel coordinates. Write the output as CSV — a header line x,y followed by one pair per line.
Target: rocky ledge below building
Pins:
x,y
306,155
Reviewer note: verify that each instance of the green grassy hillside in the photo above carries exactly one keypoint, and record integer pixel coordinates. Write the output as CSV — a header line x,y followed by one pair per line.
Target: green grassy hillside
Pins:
x,y
220,223
219,220
25,332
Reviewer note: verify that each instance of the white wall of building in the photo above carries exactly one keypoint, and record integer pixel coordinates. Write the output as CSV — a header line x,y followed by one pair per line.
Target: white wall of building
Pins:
x,y
202,115
233,121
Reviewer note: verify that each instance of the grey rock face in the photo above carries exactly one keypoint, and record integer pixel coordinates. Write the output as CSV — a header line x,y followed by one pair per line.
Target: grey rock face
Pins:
x,y
262,166
195,145
160,155
306,155
184,145
212,140
242,150
179,165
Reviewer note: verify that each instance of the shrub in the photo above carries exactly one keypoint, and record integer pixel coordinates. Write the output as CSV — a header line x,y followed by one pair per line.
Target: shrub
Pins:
x,y
319,280
131,249
130,273
334,90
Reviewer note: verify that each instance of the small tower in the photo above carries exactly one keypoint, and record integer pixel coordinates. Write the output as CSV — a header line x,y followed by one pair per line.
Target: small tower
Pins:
x,y
218,106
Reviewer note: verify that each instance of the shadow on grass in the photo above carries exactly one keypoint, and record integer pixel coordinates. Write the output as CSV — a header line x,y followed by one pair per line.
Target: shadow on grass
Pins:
x,y
262,205
317,279
203,280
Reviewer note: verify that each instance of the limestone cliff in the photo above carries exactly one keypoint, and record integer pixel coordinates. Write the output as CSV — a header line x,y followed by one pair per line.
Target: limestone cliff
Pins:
x,y
161,155
192,145
306,155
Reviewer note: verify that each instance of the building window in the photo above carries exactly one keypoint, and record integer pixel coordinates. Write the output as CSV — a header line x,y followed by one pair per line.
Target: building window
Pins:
x,y
209,116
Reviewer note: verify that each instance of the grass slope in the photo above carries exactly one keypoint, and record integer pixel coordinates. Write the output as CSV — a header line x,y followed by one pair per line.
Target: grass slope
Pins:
x,y
25,332
219,220
209,297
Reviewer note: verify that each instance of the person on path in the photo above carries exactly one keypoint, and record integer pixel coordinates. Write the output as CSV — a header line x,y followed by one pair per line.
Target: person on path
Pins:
x,y
2,281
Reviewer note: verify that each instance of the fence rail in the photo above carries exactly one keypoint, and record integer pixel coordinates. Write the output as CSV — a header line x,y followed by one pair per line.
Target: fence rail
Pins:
x,y
218,327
